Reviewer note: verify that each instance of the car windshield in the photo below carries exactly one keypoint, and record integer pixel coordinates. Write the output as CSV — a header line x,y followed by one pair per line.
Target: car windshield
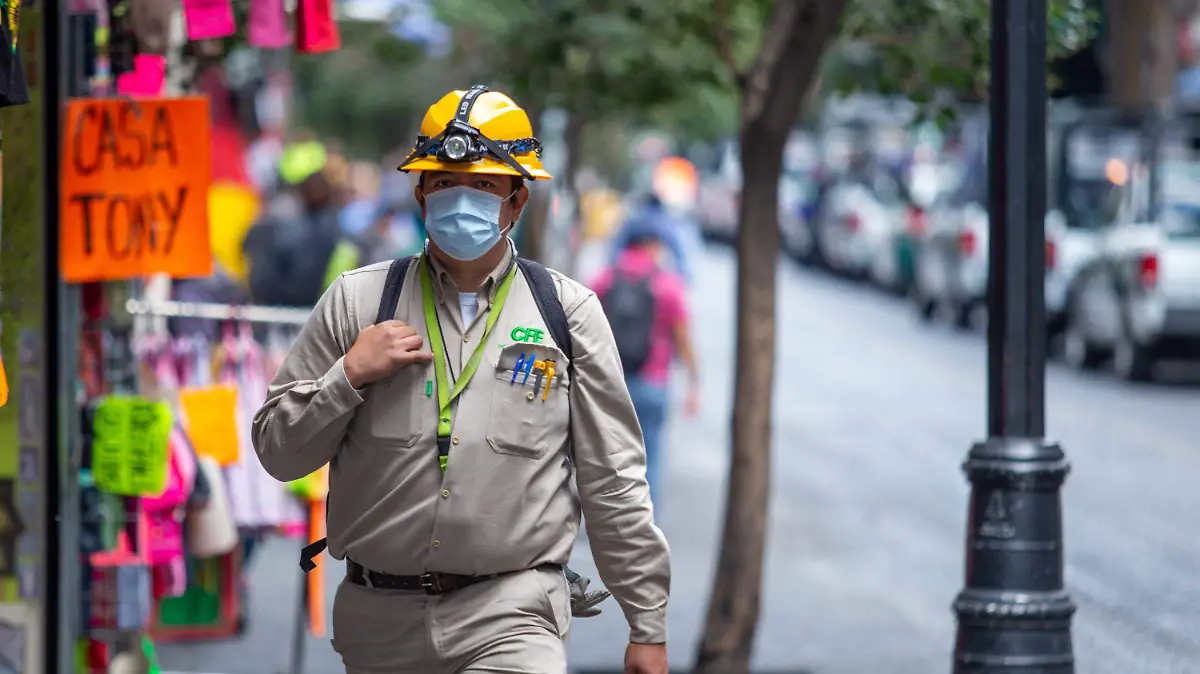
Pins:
x,y
1092,203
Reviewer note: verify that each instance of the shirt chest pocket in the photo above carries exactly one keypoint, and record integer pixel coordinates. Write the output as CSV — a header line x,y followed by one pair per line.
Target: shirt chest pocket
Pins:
x,y
530,410
394,409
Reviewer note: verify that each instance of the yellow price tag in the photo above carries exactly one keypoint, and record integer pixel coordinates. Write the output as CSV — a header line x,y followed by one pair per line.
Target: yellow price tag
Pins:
x,y
212,421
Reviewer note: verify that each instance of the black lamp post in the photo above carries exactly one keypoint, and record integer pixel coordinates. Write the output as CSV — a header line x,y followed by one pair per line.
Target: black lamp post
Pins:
x,y
1014,615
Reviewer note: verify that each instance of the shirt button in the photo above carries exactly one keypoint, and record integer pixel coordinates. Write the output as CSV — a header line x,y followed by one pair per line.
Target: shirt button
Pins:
x,y
445,493
437,543
466,338
454,439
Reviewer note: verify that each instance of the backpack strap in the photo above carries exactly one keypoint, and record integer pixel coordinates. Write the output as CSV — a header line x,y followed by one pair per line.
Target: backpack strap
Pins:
x,y
391,289
541,283
387,310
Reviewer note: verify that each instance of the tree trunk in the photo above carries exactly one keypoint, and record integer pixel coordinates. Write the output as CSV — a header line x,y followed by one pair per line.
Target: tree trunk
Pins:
x,y
774,91
1142,52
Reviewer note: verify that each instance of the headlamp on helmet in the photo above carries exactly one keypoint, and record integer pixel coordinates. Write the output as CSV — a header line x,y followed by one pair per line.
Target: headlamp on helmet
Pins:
x,y
461,143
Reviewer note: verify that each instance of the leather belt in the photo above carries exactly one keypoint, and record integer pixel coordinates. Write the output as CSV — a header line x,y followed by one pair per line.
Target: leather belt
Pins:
x,y
430,583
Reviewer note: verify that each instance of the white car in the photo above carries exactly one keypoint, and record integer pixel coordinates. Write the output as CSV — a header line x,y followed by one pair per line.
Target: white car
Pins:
x,y
952,263
853,228
1139,301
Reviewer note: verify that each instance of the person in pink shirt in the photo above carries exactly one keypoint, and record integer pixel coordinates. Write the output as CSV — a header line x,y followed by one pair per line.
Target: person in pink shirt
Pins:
x,y
646,305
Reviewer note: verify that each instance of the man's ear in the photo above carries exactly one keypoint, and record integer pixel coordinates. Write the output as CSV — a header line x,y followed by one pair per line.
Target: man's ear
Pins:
x,y
518,200
419,196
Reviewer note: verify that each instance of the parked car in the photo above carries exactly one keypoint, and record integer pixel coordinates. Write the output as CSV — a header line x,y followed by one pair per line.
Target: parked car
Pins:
x,y
1139,300
1091,153
854,224
893,266
951,255
719,202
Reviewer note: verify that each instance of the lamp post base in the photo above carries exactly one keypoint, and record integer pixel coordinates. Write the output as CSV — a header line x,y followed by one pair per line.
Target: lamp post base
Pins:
x,y
1014,615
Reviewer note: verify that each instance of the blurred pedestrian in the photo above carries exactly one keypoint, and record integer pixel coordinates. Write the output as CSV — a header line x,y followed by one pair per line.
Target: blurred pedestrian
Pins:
x,y
646,305
297,248
469,497
671,230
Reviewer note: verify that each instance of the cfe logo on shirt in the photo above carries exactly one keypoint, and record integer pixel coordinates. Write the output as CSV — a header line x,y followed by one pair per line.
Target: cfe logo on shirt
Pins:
x,y
531,335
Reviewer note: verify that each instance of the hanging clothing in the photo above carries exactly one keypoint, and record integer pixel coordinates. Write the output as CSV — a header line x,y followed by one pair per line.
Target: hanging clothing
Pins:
x,y
258,500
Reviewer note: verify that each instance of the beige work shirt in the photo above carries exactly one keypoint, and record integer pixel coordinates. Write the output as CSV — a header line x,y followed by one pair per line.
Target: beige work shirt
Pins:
x,y
505,502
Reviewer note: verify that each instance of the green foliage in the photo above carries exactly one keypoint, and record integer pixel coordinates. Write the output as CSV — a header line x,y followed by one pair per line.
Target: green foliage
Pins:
x,y
675,66
936,49
624,58
369,94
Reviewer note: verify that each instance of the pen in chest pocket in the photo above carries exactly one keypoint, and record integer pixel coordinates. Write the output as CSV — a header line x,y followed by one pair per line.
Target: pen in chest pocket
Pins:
x,y
517,368
540,368
549,379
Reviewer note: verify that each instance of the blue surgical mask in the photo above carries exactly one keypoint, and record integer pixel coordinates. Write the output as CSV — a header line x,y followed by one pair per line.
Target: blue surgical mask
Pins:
x,y
463,221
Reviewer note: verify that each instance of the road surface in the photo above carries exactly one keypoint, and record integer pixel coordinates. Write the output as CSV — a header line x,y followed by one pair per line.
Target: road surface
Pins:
x,y
874,414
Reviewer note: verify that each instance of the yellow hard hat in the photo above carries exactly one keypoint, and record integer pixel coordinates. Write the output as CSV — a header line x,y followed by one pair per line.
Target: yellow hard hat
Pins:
x,y
477,131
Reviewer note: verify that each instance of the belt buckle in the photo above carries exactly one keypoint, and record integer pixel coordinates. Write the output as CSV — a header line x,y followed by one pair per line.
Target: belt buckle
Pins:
x,y
367,582
432,583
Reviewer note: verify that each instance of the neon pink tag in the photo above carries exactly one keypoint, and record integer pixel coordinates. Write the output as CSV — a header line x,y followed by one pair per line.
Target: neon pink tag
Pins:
x,y
147,77
208,19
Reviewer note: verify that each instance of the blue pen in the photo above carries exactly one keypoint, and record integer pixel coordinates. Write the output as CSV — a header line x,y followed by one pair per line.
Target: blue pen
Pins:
x,y
517,368
528,370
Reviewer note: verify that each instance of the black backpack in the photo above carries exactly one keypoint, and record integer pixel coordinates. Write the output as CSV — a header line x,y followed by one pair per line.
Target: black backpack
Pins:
x,y
548,303
288,259
629,305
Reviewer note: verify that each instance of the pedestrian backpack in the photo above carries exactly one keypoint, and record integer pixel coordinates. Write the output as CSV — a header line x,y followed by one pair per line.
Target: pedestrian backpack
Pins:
x,y
629,305
548,304
289,260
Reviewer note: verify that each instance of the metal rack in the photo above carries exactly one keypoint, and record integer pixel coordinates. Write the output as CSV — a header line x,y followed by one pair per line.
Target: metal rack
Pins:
x,y
249,313
219,312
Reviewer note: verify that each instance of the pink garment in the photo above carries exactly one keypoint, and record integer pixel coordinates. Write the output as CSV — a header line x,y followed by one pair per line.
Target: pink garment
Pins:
x,y
269,25
164,520
257,499
164,512
670,307
208,19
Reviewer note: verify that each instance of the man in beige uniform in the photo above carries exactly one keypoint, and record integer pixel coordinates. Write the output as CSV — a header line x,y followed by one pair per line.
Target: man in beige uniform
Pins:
x,y
459,567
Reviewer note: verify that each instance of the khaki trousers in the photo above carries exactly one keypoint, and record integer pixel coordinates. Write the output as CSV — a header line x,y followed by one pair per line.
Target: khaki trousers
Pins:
x,y
514,624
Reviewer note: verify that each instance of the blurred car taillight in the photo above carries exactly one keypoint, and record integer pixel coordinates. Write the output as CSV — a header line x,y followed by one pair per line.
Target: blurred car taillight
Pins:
x,y
1148,270
967,243
916,221
1051,254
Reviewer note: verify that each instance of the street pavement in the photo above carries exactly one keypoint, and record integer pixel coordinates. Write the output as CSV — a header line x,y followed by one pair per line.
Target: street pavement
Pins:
x,y
874,413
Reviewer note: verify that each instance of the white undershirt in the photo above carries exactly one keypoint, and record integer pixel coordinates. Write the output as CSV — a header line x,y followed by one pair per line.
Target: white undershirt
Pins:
x,y
468,303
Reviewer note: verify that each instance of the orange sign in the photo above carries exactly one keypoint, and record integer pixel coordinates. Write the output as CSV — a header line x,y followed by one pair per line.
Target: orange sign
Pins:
x,y
135,177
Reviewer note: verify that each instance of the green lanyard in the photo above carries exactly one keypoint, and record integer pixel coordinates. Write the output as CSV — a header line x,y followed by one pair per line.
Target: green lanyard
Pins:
x,y
446,395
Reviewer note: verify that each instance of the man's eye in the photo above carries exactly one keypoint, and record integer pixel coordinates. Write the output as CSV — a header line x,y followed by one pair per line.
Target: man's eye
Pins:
x,y
441,183
485,184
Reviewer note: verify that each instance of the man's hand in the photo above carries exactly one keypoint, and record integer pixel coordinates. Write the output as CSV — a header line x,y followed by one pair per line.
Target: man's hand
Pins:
x,y
382,350
646,659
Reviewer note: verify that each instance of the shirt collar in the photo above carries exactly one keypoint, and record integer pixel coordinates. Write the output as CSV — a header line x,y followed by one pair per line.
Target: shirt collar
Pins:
x,y
446,287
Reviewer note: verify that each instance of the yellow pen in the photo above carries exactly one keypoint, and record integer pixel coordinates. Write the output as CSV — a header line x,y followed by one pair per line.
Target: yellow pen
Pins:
x,y
549,379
